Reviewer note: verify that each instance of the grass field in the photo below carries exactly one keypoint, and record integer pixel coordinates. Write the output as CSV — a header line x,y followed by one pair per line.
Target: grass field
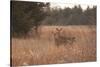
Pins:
x,y
43,50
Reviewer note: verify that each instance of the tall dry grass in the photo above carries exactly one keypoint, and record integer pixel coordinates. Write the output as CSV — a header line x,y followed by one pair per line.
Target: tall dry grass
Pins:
x,y
32,51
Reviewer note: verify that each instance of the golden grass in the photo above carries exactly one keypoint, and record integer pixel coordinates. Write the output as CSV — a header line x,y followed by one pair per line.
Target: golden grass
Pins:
x,y
32,51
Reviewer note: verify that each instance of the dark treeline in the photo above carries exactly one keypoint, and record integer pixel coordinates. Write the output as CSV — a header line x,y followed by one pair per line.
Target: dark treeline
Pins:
x,y
71,16
27,15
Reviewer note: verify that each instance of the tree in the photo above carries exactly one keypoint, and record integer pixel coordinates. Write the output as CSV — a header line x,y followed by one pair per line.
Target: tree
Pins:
x,y
90,13
25,15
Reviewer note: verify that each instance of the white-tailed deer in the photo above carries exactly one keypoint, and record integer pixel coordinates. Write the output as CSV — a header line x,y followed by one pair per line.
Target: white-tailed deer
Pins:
x,y
60,38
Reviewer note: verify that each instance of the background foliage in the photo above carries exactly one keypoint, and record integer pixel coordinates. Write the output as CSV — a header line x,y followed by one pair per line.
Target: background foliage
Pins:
x,y
28,15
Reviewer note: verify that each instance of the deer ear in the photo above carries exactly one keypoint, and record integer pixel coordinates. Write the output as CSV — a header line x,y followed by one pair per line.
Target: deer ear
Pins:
x,y
57,29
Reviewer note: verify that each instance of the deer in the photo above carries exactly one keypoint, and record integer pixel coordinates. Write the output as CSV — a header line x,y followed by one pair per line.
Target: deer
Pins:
x,y
60,38
56,36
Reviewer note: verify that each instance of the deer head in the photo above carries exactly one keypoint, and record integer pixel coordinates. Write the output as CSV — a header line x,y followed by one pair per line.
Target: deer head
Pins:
x,y
58,29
